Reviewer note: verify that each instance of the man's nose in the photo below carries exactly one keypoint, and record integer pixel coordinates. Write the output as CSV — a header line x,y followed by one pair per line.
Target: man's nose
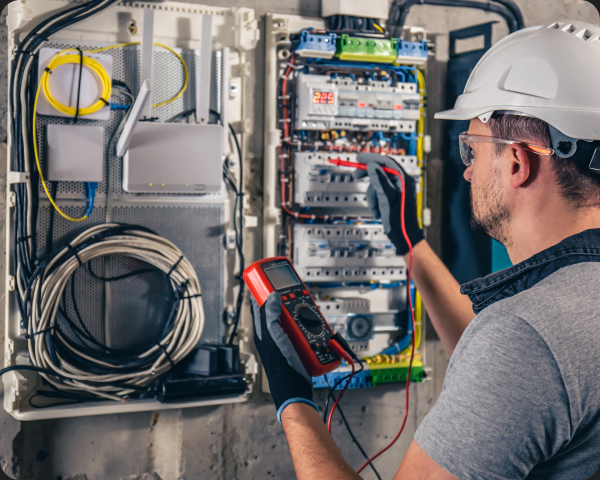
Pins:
x,y
468,173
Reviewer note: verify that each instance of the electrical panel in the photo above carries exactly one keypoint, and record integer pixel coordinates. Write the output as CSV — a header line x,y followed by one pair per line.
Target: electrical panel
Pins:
x,y
332,94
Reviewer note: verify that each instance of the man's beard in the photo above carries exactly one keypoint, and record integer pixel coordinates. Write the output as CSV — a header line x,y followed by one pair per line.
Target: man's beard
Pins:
x,y
490,214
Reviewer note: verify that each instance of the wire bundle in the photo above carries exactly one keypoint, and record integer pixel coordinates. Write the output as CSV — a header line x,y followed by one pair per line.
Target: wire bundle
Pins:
x,y
97,369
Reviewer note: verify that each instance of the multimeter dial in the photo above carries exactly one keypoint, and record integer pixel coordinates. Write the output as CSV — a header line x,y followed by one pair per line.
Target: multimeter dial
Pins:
x,y
312,326
309,320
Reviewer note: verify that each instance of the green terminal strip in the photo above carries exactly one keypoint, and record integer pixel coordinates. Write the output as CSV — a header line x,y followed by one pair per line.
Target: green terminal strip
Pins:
x,y
381,50
395,372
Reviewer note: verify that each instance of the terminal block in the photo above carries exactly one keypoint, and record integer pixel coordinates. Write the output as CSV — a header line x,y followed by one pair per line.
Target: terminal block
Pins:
x,y
316,45
360,380
412,52
346,253
357,49
377,370
318,183
394,368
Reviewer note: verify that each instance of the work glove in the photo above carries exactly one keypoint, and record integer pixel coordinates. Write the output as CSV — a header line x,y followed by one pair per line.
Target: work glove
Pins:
x,y
288,380
384,197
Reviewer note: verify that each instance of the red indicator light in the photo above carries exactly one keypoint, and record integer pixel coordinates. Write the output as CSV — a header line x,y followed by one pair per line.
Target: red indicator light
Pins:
x,y
398,107
361,104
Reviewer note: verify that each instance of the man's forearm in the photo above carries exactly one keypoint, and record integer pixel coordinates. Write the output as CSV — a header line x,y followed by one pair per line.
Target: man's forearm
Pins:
x,y
314,452
449,310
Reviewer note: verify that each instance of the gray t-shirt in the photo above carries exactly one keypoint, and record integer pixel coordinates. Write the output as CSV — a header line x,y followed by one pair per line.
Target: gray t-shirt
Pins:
x,y
521,397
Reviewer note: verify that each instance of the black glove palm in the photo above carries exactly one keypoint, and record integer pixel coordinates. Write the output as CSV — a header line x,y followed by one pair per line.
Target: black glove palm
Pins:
x,y
384,197
288,380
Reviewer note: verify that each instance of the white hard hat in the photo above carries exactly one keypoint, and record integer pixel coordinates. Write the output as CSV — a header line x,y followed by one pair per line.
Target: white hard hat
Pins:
x,y
551,72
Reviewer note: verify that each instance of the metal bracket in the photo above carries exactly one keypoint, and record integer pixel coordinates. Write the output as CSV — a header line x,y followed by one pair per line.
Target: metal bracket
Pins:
x,y
11,284
12,199
18,177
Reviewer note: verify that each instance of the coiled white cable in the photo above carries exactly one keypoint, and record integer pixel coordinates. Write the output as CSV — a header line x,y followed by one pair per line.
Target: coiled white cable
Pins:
x,y
46,291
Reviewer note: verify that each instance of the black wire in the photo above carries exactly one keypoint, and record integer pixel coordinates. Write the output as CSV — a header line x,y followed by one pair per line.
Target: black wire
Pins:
x,y
400,9
339,409
50,233
238,309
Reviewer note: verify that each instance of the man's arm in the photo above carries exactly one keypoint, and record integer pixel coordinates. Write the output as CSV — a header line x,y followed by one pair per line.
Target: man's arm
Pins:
x,y
449,310
315,454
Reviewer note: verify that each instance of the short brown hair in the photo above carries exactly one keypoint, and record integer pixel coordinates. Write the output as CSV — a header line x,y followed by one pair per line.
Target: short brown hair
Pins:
x,y
579,186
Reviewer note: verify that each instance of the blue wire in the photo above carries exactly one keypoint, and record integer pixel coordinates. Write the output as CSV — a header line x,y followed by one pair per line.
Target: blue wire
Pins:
x,y
91,191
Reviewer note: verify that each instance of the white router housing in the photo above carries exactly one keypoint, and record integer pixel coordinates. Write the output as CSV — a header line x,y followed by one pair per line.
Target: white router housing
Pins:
x,y
173,158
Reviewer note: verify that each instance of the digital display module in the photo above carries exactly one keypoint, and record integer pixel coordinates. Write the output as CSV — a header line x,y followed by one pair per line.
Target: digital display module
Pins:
x,y
327,98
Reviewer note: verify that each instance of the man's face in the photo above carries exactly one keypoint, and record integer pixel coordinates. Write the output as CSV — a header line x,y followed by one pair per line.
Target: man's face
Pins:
x,y
490,214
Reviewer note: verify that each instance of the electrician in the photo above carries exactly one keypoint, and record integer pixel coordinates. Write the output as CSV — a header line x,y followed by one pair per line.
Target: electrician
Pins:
x,y
521,397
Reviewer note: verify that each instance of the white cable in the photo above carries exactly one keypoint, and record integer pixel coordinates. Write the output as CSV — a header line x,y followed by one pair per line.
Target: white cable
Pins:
x,y
48,291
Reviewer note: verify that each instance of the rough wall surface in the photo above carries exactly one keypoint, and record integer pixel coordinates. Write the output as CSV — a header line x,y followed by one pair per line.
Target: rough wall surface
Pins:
x,y
245,441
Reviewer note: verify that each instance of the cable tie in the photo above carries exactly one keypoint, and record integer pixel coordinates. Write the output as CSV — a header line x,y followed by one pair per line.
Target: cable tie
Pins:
x,y
164,350
47,70
78,86
296,214
194,296
106,102
46,330
24,239
174,267
74,252
313,217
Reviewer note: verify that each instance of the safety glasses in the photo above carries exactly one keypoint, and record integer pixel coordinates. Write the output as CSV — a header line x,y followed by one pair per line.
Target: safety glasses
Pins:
x,y
466,152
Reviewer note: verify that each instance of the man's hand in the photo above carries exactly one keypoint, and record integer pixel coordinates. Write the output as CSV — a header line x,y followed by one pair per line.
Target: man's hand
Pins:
x,y
384,197
288,380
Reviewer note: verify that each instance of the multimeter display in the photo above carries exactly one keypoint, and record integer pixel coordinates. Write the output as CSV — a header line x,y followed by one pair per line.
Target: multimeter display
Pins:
x,y
300,317
282,276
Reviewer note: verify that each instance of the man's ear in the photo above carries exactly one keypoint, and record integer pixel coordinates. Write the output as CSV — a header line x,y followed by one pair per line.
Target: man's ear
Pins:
x,y
519,164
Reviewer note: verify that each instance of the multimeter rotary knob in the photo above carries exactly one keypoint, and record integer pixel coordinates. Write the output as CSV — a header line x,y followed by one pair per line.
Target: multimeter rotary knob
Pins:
x,y
309,320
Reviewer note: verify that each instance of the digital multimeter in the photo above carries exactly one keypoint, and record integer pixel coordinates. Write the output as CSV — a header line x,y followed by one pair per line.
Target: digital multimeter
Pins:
x,y
300,317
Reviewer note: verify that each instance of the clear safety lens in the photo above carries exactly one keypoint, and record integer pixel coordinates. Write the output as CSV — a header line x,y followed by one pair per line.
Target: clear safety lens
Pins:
x,y
466,152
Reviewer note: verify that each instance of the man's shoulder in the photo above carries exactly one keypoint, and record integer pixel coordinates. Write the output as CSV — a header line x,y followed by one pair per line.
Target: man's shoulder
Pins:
x,y
568,290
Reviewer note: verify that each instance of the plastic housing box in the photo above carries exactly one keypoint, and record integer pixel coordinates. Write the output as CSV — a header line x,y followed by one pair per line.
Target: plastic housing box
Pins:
x,y
187,220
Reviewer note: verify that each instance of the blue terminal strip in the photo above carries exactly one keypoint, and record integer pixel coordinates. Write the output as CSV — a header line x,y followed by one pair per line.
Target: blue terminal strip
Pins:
x,y
360,380
411,51
316,45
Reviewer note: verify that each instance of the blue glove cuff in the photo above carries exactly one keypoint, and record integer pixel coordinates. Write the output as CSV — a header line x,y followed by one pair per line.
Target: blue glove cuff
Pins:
x,y
294,400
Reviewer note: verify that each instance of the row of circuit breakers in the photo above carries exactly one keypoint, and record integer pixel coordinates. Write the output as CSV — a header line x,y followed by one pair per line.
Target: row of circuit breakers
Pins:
x,y
325,103
339,252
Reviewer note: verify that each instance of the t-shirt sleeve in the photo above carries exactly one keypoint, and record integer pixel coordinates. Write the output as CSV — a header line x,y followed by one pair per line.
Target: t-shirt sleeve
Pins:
x,y
504,407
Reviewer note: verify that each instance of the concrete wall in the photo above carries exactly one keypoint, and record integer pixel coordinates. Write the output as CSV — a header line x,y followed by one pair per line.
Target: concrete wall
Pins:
x,y
245,441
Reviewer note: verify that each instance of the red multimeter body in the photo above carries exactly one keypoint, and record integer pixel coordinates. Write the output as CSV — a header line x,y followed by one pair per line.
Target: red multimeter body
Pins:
x,y
300,317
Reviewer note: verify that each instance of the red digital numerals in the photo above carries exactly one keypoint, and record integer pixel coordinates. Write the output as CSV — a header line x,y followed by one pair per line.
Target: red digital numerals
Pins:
x,y
327,98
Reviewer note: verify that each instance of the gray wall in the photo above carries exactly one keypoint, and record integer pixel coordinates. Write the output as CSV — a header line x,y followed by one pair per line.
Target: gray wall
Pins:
x,y
245,441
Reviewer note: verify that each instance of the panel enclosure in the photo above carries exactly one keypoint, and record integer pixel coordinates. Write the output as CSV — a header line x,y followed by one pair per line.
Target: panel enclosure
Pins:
x,y
131,312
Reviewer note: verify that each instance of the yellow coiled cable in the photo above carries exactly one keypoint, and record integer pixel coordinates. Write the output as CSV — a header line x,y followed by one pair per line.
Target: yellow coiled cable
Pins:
x,y
92,65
